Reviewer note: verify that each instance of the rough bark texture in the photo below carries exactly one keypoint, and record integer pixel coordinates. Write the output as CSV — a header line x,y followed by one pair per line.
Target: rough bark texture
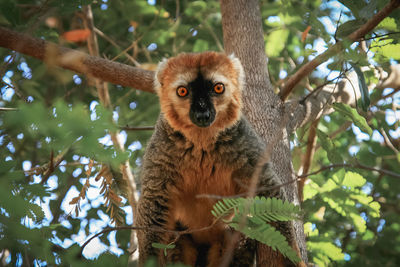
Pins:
x,y
243,36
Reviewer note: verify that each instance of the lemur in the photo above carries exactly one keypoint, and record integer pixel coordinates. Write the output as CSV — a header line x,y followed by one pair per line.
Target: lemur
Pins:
x,y
202,145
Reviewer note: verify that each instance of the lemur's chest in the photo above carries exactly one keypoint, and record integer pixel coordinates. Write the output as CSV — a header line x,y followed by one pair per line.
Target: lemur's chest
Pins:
x,y
203,179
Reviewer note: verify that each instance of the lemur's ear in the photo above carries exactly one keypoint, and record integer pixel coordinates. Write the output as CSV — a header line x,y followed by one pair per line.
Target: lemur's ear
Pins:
x,y
159,74
237,65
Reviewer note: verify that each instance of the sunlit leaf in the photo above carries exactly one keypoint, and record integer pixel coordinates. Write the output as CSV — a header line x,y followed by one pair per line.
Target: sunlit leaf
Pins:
x,y
352,115
329,147
275,42
388,24
327,249
353,179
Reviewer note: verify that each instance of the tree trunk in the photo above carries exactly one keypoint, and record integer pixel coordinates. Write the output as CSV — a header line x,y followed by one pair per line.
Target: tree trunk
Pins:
x,y
243,36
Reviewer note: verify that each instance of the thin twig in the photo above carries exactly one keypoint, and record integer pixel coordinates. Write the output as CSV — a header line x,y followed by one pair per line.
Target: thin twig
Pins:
x,y
111,41
356,166
387,141
104,97
138,128
304,176
154,229
307,159
381,35
8,109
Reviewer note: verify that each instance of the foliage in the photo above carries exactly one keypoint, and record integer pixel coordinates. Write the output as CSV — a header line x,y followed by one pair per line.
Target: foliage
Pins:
x,y
251,217
56,154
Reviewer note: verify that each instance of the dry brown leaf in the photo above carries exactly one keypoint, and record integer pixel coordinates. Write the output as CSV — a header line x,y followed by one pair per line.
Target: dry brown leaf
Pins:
x,y
75,36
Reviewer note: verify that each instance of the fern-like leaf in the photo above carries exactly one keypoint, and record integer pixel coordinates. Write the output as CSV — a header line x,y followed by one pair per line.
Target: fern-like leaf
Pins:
x,y
252,215
225,207
267,209
266,234
35,212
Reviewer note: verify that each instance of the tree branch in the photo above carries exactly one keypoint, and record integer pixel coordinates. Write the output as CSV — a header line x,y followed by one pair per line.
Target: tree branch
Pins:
x,y
355,166
308,156
102,89
77,61
355,36
138,128
345,91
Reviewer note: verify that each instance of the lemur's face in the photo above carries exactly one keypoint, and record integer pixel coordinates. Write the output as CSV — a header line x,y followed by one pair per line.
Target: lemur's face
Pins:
x,y
200,90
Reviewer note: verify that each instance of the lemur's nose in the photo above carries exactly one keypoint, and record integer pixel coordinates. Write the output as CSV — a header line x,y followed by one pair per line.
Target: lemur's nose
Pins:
x,y
203,117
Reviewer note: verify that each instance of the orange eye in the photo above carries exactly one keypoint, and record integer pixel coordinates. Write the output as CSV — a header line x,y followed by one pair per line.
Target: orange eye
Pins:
x,y
219,88
181,91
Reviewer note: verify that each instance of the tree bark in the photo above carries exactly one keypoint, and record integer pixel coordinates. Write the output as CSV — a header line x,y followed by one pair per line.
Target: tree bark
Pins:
x,y
243,36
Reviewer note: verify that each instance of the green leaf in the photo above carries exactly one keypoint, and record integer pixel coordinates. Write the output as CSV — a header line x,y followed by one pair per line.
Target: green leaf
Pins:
x,y
351,114
387,24
258,211
329,147
268,235
266,209
367,11
386,47
349,27
275,42
195,8
353,179
35,212
354,6
368,235
200,46
309,191
365,100
326,248
163,246
10,11
391,51
328,186
358,222
375,207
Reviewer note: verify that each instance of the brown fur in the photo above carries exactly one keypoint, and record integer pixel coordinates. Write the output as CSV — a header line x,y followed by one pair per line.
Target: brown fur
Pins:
x,y
183,161
185,68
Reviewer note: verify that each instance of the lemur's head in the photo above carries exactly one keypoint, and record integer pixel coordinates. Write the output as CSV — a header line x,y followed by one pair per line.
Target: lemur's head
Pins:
x,y
200,91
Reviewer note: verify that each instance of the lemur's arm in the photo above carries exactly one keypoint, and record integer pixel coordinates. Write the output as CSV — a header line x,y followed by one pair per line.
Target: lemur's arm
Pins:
x,y
152,212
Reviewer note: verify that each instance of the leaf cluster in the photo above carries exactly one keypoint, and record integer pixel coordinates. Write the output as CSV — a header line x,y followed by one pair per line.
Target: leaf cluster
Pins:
x,y
252,216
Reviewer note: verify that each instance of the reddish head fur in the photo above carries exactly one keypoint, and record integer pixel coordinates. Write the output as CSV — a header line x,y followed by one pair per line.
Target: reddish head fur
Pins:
x,y
183,69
